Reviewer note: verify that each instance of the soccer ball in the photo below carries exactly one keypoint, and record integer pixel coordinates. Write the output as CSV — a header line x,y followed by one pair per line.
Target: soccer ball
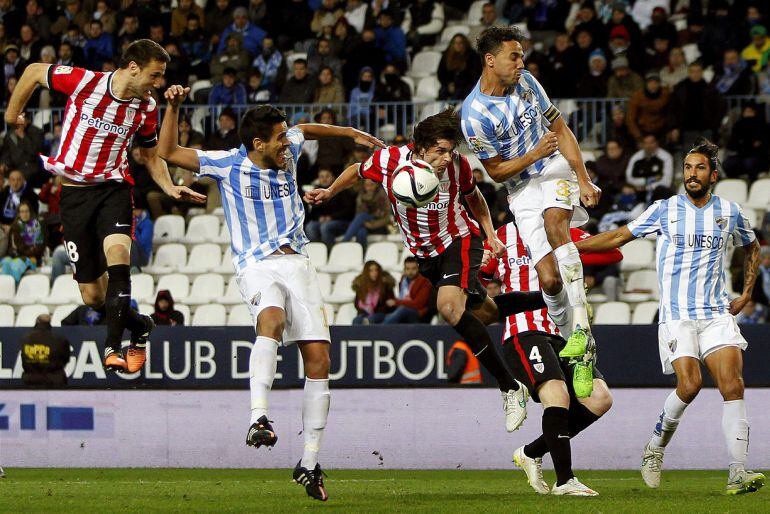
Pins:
x,y
414,183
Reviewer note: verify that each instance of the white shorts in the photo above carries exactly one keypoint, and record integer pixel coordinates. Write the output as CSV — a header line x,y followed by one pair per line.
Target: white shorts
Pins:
x,y
556,187
696,338
288,282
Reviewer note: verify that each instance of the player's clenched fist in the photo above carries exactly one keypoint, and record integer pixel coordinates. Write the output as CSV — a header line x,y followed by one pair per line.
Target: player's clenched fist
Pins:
x,y
318,196
547,145
176,94
589,193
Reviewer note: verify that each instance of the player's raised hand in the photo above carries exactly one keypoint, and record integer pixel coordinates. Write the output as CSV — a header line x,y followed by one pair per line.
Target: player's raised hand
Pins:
x,y
590,193
318,196
547,145
497,246
176,94
366,139
186,194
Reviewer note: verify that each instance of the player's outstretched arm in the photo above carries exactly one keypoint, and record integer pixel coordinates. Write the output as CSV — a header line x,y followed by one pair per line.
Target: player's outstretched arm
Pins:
x,y
346,180
605,241
500,170
34,75
480,210
168,143
321,130
569,148
750,269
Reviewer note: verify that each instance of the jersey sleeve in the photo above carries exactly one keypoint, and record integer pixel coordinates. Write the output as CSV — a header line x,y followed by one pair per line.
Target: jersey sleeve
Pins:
x,y
147,135
648,222
65,79
549,110
372,169
215,163
467,182
742,234
480,135
296,139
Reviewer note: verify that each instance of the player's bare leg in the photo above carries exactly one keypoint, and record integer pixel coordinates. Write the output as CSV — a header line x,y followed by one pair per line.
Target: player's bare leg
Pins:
x,y
726,368
263,362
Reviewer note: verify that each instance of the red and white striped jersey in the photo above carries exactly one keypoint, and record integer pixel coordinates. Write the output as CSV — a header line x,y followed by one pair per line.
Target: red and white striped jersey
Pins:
x,y
428,230
97,127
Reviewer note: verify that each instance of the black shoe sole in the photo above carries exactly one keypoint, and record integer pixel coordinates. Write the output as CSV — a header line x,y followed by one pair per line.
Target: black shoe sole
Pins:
x,y
259,440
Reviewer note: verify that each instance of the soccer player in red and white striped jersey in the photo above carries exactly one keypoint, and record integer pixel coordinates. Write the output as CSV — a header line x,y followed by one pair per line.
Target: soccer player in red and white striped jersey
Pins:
x,y
103,114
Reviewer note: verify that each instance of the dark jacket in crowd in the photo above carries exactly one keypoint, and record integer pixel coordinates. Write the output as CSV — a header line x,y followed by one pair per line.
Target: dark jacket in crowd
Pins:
x,y
43,357
169,316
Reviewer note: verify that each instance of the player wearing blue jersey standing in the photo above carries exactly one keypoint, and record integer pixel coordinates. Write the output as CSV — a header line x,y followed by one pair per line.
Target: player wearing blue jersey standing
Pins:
x,y
264,215
697,321
522,140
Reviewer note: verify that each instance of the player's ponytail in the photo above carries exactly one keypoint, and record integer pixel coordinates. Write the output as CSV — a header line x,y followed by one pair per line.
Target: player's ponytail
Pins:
x,y
708,149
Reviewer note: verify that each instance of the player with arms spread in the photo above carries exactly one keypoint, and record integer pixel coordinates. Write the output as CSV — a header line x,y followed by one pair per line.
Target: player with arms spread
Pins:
x,y
265,216
104,112
445,239
697,323
522,140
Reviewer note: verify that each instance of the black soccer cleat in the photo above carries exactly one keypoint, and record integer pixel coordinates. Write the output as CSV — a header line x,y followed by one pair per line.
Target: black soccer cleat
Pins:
x,y
261,433
312,480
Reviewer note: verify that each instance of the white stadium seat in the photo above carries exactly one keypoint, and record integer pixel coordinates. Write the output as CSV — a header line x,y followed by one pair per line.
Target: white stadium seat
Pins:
x,y
7,288
213,315
202,229
329,311
168,258
146,309
318,254
759,195
168,229
29,313
424,64
6,316
205,289
409,82
143,288
344,257
224,235
613,313
385,253
61,312
324,283
638,254
754,216
427,89
449,32
176,283
342,291
346,314
239,316
184,310
65,290
232,294
226,264
474,12
644,313
32,289
691,52
203,257
639,281
733,189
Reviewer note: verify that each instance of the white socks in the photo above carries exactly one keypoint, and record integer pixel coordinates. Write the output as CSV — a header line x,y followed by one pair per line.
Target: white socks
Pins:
x,y
673,410
262,365
315,410
571,270
559,311
736,430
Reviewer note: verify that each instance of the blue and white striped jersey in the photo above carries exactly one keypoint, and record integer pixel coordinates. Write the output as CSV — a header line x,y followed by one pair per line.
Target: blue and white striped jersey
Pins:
x,y
263,208
511,125
691,253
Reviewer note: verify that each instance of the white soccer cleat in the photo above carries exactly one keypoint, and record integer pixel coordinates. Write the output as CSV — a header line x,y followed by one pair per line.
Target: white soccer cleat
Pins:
x,y
533,468
573,487
515,407
745,482
652,463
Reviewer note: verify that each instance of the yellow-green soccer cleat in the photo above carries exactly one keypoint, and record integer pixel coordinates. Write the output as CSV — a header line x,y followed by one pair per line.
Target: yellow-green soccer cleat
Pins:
x,y
745,482
583,379
576,344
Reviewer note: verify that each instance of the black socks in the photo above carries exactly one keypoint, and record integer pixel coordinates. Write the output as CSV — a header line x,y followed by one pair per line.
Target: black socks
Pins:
x,y
117,306
556,434
477,338
515,302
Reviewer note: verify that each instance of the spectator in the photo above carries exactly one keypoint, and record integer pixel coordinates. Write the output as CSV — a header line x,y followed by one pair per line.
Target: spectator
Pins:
x,y
650,167
494,287
272,66
67,55
251,34
99,47
157,33
233,57
26,244
178,70
324,58
414,296
293,17
159,203
300,88
361,100
179,16
593,84
620,42
72,14
624,81
329,90
391,39
753,313
611,169
76,36
373,288
734,77
625,207
462,366
39,21
585,47
749,138
14,65
372,214
85,316
587,21
326,222
258,15
756,54
129,31
164,310
719,33
225,137
488,191
219,14
333,152
50,194
44,356
29,44
195,46
656,56
488,19
565,64
647,109
141,246
423,23
459,69
676,69
392,87
229,91
655,23
635,42
328,14
358,14
504,214
696,108
256,92
17,191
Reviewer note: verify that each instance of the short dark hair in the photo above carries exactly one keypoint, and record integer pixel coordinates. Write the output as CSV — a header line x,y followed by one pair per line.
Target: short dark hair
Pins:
x,y
142,51
444,125
193,16
258,122
708,149
490,41
230,71
301,61
411,259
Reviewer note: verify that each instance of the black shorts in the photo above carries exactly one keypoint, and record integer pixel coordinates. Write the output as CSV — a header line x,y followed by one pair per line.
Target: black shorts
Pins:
x,y
88,215
534,359
458,265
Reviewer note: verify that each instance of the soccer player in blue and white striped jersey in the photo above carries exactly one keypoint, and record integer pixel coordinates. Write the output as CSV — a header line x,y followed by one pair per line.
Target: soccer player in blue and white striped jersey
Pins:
x,y
697,322
264,214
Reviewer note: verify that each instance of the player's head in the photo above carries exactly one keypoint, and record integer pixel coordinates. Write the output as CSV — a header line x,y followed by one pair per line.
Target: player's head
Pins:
x,y
411,267
700,168
436,138
502,55
263,130
145,61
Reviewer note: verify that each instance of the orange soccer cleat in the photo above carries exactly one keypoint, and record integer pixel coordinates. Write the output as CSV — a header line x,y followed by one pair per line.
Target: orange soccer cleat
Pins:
x,y
135,357
115,362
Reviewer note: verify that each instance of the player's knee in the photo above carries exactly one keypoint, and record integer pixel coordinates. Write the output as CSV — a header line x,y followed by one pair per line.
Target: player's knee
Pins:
x,y
601,398
451,311
271,324
92,298
688,388
551,284
318,367
732,389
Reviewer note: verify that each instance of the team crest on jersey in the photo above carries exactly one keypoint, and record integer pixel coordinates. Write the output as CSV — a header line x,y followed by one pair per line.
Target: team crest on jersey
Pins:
x,y
62,70
368,164
527,95
475,144
721,222
130,113
539,367
672,345
444,186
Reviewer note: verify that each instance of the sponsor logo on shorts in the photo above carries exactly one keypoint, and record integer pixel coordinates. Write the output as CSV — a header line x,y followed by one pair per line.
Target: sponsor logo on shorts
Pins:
x,y
539,367
255,299
672,345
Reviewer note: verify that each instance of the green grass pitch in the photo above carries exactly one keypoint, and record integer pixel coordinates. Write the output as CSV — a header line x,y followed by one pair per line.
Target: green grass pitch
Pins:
x,y
360,491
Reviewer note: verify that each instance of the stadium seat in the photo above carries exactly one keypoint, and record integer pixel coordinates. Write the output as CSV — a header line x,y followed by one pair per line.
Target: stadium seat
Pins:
x,y
424,64
143,288
42,119
203,257
176,283
168,229
318,253
644,313
410,82
202,229
226,264
184,310
213,315
61,312
29,313
232,294
146,309
199,85
6,316
344,257
612,313
449,32
329,311
733,189
223,237
759,195
346,314
754,216
691,52
384,252
32,289
7,288
205,289
239,316
199,115
638,254
65,290
638,281
474,12
324,283
427,89
168,258
342,291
